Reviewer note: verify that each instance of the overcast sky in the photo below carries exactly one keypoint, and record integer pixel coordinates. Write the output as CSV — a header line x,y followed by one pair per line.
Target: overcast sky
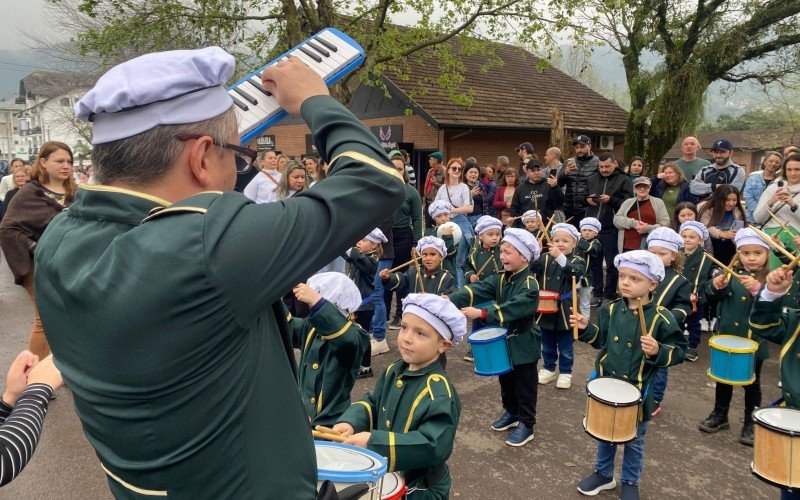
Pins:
x,y
19,17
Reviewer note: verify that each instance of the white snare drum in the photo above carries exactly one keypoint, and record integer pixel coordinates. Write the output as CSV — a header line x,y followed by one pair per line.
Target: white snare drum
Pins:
x,y
612,410
394,487
457,233
346,465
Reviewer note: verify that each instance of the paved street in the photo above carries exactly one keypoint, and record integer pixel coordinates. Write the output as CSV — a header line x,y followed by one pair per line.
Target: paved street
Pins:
x,y
680,461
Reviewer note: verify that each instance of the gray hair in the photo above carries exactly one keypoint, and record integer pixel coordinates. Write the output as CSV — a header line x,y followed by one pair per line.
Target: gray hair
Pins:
x,y
145,157
503,160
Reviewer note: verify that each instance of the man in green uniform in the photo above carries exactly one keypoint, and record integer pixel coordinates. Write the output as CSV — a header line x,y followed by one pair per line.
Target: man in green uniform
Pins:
x,y
160,288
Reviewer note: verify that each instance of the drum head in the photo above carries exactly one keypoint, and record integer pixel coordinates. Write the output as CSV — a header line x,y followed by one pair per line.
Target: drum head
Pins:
x,y
348,464
548,294
392,485
784,420
613,391
457,234
732,343
487,333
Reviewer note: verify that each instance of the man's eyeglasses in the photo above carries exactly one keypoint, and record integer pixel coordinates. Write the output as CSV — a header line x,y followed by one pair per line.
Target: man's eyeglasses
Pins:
x,y
243,157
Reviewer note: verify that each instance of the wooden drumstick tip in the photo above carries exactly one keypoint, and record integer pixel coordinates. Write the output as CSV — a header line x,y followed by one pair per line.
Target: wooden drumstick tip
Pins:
x,y
327,430
328,437
575,307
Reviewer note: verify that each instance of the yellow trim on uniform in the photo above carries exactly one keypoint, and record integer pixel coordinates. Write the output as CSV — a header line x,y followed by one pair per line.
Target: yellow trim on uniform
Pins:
x,y
339,333
414,405
369,161
439,286
369,411
764,327
499,312
173,210
141,491
639,375
390,367
392,454
288,317
309,337
471,296
319,399
112,189
596,333
438,378
669,356
669,285
788,345
600,363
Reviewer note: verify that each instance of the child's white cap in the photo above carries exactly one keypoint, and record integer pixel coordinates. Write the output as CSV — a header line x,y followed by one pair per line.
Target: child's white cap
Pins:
x,y
438,207
337,289
747,236
565,228
665,237
524,242
376,236
591,223
437,244
697,227
643,261
440,313
486,222
531,215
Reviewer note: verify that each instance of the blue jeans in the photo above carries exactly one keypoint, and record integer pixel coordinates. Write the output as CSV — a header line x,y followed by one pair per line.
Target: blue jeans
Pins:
x,y
378,327
557,344
693,325
660,384
632,458
794,495
462,248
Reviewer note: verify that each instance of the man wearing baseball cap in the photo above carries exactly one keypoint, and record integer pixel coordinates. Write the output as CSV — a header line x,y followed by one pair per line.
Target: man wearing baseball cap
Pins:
x,y
574,177
526,154
722,171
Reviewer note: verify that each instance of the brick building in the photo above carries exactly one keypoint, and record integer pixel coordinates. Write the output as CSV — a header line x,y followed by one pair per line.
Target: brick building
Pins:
x,y
512,104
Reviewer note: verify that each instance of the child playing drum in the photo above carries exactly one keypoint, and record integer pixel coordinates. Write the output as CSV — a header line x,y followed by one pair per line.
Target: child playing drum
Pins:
x,y
484,259
555,271
590,250
627,353
697,270
412,415
514,294
330,345
736,297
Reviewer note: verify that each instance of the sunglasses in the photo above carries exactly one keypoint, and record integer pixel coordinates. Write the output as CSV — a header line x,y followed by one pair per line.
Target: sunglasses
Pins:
x,y
243,157
641,186
455,169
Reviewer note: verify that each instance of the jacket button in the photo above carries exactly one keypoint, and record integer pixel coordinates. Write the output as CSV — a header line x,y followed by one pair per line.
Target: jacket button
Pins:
x,y
399,384
736,323
730,294
616,339
313,400
388,424
625,377
630,345
315,366
636,313
744,299
613,372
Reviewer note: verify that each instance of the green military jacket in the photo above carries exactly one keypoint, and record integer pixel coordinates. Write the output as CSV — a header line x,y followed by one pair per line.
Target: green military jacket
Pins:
x,y
440,282
551,276
792,297
617,334
449,261
768,321
361,269
675,293
697,269
171,333
588,251
733,311
514,298
331,347
413,416
478,257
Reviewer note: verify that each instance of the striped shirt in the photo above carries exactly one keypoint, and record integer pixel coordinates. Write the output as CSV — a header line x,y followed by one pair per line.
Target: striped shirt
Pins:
x,y
21,428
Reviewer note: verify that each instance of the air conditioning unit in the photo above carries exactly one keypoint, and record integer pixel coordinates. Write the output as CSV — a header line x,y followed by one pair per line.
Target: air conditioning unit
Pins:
x,y
606,142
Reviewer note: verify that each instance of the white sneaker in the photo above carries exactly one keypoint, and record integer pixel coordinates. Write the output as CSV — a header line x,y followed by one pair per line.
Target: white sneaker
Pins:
x,y
564,381
704,326
379,346
546,376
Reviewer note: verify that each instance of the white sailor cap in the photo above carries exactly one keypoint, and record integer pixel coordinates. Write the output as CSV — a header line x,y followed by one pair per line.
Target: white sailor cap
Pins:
x,y
565,228
591,223
486,222
747,236
697,227
162,88
524,242
643,261
531,215
337,289
438,207
437,244
376,236
666,238
440,313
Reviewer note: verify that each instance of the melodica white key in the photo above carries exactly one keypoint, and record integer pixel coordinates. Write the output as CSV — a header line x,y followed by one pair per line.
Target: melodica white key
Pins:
x,y
331,53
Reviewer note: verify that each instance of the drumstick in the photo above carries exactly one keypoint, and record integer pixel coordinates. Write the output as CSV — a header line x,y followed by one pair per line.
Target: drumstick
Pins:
x,y
642,322
574,307
767,239
734,261
419,277
406,264
794,263
328,437
327,430
776,219
478,274
723,266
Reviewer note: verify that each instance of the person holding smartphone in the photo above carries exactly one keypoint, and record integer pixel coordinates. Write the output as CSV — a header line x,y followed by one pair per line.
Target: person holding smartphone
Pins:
x,y
723,215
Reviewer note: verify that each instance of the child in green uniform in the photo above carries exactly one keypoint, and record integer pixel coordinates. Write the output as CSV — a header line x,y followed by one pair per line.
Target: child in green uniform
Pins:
x,y
736,297
439,211
514,295
590,250
673,292
532,220
628,354
412,415
554,271
489,231
330,345
697,269
362,264
433,278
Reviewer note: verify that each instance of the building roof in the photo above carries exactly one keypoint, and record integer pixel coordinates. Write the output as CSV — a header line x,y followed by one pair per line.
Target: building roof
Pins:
x,y
49,84
515,95
742,140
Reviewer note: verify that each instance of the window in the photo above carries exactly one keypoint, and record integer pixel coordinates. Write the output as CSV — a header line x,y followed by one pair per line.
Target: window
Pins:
x,y
64,101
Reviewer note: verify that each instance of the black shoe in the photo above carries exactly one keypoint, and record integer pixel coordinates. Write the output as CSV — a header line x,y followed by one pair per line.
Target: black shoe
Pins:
x,y
748,433
629,492
691,354
596,483
715,423
364,372
395,323
596,301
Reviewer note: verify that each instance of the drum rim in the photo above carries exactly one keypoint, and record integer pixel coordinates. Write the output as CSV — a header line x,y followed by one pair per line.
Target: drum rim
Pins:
x,y
557,294
372,475
734,350
486,341
771,427
402,487
729,381
770,481
612,403
586,430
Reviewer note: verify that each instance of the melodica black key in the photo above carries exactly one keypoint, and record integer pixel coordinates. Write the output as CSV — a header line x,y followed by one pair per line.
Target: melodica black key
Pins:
x,y
327,44
240,104
255,82
319,49
247,97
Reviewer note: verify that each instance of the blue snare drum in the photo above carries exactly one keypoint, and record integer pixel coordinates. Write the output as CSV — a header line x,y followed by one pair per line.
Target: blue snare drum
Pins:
x,y
733,360
345,465
490,351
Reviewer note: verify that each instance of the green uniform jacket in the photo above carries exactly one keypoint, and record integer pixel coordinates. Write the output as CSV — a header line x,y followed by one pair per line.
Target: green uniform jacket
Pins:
x,y
618,336
172,335
733,311
551,276
515,297
768,321
413,416
675,293
697,269
478,257
440,282
331,347
410,214
588,250
449,261
362,269
792,297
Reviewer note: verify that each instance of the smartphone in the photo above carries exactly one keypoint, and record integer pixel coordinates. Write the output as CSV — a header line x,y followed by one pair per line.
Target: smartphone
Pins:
x,y
738,224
